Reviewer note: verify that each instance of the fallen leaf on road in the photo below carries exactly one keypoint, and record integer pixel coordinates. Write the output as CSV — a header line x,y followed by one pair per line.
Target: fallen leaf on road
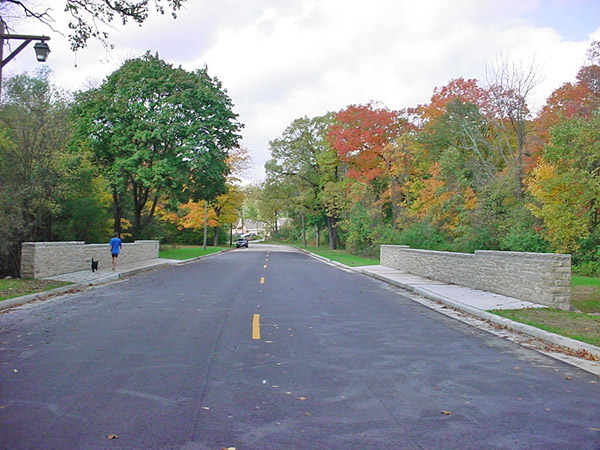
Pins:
x,y
112,436
302,398
446,413
307,414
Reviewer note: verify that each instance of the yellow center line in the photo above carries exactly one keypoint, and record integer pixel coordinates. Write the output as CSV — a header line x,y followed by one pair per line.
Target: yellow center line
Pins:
x,y
262,280
256,326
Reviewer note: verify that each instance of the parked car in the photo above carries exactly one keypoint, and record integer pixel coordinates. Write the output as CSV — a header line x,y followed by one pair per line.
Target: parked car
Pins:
x,y
241,242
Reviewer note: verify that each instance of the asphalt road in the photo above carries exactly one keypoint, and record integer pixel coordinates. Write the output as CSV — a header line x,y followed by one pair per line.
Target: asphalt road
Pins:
x,y
275,350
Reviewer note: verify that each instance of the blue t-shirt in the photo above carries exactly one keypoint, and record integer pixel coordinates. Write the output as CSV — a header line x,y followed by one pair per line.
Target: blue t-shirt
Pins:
x,y
115,245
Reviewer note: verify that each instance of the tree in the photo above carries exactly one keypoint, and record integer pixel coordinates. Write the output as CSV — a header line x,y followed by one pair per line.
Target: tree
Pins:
x,y
579,99
227,206
301,165
566,183
510,86
366,139
158,131
360,135
466,91
88,18
41,179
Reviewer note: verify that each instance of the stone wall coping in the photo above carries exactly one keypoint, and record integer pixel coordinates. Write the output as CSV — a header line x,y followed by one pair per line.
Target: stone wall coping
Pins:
x,y
50,244
504,254
431,252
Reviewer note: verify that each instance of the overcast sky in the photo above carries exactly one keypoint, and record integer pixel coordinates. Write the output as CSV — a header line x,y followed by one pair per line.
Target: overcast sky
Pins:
x,y
284,59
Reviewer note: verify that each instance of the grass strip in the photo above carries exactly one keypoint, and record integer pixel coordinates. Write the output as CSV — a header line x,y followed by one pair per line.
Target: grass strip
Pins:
x,y
184,252
17,287
342,256
580,326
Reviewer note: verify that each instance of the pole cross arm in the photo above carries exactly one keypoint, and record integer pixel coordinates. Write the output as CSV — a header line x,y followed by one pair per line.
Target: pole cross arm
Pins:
x,y
26,40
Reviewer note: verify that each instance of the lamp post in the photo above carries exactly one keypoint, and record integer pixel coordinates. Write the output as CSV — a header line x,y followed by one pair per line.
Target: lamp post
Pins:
x,y
41,48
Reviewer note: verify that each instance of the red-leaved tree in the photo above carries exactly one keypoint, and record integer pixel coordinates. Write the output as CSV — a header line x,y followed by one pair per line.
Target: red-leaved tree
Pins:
x,y
361,134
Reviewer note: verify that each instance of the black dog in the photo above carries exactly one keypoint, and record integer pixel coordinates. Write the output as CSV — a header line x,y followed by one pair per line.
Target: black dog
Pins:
x,y
94,265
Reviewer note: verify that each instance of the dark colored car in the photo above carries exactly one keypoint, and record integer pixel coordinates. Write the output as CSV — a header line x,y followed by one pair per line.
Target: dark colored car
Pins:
x,y
241,242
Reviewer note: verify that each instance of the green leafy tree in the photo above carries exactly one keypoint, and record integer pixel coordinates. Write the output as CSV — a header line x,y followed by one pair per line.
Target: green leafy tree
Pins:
x,y
566,183
156,130
39,175
302,164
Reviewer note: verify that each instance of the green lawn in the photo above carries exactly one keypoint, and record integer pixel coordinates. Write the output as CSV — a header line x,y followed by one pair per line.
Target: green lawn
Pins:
x,y
580,326
585,294
18,287
183,252
583,326
342,256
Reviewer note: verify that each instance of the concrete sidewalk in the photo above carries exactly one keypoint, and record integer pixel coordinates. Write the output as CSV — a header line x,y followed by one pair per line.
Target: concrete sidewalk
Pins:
x,y
459,295
479,303
106,275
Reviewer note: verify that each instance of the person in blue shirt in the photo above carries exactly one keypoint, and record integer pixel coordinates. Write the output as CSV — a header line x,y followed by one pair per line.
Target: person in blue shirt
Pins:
x,y
115,248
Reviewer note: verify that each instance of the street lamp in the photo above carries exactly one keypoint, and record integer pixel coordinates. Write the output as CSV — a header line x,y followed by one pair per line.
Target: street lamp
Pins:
x,y
41,48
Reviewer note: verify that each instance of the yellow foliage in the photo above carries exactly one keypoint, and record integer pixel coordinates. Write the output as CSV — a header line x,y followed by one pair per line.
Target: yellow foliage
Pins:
x,y
561,206
471,201
195,216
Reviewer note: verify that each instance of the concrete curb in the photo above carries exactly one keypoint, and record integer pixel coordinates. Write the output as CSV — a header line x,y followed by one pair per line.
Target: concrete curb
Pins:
x,y
546,336
77,287
191,260
538,333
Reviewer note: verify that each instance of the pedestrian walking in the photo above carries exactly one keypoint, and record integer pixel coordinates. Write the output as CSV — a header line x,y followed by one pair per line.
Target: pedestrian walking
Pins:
x,y
115,248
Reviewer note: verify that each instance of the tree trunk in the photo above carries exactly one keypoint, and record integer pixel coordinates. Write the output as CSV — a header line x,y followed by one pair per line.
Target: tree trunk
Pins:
x,y
14,253
205,224
117,212
216,238
303,232
332,231
317,236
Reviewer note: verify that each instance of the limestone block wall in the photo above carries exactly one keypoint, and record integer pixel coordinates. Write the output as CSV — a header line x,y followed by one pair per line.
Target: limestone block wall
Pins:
x,y
543,278
46,259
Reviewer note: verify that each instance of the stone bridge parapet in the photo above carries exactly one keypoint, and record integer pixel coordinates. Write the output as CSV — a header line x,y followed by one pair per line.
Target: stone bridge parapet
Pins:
x,y
543,278
46,259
